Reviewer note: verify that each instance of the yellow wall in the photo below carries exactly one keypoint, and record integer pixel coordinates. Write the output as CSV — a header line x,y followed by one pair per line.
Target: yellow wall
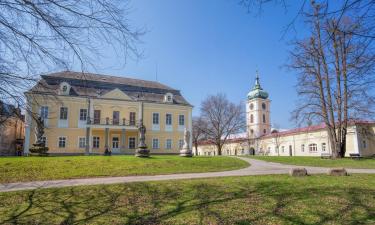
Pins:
x,y
107,106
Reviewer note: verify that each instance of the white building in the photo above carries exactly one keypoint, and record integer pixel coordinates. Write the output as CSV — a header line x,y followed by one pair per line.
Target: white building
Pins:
x,y
305,141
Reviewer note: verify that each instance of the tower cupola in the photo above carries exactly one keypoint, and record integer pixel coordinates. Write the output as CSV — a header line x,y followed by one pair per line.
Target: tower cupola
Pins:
x,y
257,91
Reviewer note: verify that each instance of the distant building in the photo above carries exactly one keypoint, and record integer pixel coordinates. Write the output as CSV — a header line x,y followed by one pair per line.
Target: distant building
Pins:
x,y
11,130
306,141
88,113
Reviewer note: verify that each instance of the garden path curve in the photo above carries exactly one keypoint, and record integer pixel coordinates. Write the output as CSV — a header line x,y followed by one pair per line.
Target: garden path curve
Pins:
x,y
257,167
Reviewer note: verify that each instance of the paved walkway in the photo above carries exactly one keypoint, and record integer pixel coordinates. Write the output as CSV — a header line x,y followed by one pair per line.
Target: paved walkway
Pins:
x,y
257,167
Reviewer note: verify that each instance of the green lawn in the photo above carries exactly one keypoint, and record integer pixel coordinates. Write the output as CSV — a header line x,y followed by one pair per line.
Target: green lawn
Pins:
x,y
15,169
272,199
317,161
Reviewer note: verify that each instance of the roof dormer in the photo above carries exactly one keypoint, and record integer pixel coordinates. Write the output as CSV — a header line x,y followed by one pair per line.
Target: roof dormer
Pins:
x,y
168,98
64,88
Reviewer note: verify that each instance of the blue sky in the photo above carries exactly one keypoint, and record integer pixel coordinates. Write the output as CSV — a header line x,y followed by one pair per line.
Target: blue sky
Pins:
x,y
206,47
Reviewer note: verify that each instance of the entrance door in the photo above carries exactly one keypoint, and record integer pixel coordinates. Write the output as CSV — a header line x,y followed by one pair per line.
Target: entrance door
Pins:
x,y
115,144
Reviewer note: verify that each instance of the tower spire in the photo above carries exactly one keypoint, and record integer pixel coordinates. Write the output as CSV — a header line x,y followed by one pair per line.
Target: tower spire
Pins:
x,y
257,83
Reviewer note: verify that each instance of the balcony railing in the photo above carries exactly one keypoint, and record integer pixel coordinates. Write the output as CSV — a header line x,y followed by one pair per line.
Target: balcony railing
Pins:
x,y
113,122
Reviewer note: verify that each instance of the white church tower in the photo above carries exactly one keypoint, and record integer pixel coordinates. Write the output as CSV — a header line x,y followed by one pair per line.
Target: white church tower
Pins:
x,y
258,117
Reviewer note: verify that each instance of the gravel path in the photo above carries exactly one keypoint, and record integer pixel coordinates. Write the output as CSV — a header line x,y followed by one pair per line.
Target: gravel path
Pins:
x,y
257,167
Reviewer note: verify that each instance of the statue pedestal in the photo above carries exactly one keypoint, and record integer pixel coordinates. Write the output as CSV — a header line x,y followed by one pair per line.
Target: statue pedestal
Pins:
x,y
186,152
142,151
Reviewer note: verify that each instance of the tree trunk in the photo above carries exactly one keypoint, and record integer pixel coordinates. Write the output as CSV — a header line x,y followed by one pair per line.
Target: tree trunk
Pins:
x,y
219,146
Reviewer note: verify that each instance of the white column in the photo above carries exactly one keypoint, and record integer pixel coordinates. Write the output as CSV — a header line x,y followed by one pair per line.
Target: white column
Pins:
x,y
28,125
190,127
88,140
123,139
106,138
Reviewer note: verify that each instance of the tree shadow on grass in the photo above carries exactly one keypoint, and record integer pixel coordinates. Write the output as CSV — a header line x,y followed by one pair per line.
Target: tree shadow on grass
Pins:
x,y
191,202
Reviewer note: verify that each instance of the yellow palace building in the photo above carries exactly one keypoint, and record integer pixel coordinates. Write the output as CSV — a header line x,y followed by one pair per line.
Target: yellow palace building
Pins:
x,y
86,113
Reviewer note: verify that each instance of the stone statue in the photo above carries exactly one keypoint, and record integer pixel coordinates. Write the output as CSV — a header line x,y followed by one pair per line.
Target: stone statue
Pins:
x,y
186,139
39,131
39,147
186,150
142,133
142,150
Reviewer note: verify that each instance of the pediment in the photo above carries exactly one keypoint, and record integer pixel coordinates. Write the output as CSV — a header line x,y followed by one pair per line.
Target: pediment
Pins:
x,y
116,94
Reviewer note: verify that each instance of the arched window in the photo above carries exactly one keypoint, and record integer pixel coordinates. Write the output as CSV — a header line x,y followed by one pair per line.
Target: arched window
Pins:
x,y
251,118
264,131
264,118
252,131
251,106
64,88
264,106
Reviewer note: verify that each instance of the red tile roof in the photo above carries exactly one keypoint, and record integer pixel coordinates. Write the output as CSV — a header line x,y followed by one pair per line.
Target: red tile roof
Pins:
x,y
289,132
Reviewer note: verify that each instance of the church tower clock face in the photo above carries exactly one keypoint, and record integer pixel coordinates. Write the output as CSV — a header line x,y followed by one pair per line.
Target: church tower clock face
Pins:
x,y
258,111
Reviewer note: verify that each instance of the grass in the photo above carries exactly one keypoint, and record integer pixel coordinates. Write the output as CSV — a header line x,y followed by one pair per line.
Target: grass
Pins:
x,y
17,169
271,199
365,163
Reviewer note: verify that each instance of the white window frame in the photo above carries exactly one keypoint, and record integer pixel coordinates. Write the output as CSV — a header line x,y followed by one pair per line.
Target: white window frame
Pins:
x,y
169,127
154,118
63,123
118,142
82,123
324,147
132,122
170,143
79,142
44,113
180,144
155,140
135,142
67,113
155,126
85,119
166,119
313,148
93,141
181,127
65,141
179,120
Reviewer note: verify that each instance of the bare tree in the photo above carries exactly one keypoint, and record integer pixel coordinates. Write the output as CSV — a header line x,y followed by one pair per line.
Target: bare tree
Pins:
x,y
277,140
335,74
335,63
199,126
37,36
360,9
223,118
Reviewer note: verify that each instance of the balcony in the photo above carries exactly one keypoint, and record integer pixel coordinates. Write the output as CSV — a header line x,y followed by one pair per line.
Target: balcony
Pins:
x,y
105,122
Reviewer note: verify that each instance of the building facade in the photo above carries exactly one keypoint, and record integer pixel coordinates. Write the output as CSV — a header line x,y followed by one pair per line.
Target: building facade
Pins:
x,y
11,130
87,113
306,141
